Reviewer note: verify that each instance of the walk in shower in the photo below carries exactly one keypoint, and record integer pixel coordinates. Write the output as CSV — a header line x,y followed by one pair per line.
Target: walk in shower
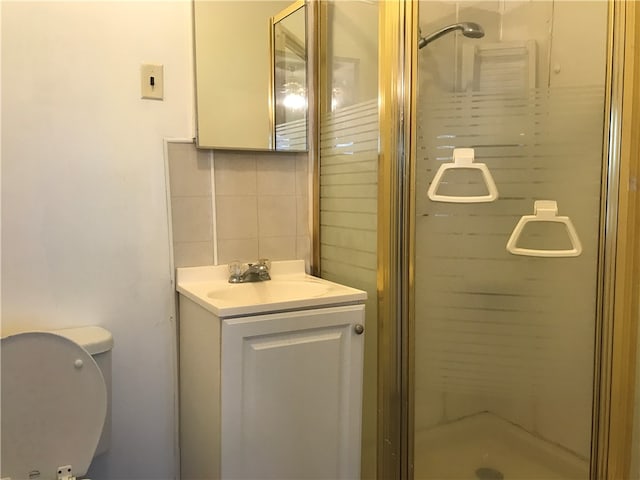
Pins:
x,y
504,343
474,197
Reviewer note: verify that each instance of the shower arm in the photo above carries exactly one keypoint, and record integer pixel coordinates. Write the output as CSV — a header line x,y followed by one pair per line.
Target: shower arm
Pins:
x,y
469,29
423,41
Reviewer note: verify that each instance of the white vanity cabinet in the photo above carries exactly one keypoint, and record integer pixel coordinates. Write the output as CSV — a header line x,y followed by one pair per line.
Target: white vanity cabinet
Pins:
x,y
271,395
291,395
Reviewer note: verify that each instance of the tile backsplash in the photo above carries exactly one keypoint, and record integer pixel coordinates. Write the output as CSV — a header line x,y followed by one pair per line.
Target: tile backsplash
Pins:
x,y
191,205
258,206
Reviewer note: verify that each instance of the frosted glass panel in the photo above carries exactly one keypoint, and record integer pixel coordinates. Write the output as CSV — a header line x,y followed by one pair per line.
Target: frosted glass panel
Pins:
x,y
348,226
349,177
348,192
504,343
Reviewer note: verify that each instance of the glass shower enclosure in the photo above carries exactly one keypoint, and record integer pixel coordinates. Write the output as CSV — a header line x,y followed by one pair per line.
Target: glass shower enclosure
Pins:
x,y
472,193
508,182
500,143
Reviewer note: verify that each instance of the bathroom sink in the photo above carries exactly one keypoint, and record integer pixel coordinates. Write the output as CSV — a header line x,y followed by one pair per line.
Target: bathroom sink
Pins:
x,y
290,288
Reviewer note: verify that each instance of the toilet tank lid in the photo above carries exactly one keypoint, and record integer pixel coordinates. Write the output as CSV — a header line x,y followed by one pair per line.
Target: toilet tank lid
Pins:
x,y
93,339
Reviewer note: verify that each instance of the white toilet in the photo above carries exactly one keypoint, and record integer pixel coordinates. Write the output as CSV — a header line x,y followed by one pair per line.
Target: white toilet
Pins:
x,y
56,387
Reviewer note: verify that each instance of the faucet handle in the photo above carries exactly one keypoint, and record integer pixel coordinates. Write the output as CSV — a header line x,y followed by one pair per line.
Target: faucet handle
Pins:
x,y
236,270
262,269
266,262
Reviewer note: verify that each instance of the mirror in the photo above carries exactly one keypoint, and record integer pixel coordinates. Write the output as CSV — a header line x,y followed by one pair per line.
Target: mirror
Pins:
x,y
235,73
289,67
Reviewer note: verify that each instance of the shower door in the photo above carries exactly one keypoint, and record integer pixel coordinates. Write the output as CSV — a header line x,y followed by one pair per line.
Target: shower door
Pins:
x,y
347,175
504,319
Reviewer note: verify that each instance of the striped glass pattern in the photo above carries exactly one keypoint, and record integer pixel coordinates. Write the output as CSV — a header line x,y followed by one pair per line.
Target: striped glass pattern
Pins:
x,y
348,153
348,225
495,332
292,135
348,193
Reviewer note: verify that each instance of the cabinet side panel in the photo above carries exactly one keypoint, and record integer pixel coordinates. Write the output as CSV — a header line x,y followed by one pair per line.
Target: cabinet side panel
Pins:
x,y
199,392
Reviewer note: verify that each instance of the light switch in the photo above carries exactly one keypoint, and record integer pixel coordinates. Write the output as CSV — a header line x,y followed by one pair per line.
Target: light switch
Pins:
x,y
152,81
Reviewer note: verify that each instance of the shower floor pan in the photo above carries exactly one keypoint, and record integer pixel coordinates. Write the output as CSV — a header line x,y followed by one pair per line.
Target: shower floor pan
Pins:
x,y
486,447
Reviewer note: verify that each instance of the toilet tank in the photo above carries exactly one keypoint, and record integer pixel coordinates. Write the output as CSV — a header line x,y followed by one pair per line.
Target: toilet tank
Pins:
x,y
98,342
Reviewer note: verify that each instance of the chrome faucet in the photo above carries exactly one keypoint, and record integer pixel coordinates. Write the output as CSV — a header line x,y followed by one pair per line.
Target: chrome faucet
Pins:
x,y
255,272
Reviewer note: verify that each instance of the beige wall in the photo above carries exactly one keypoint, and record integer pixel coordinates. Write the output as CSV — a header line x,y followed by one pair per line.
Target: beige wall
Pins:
x,y
84,214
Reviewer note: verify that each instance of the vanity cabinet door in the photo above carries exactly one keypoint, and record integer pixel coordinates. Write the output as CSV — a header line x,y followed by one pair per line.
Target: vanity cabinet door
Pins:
x,y
292,394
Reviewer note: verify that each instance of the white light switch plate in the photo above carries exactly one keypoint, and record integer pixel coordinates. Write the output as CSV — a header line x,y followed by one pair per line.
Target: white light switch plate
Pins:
x,y
152,81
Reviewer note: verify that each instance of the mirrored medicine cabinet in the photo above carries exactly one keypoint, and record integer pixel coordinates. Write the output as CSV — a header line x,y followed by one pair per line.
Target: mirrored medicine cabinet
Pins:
x,y
251,74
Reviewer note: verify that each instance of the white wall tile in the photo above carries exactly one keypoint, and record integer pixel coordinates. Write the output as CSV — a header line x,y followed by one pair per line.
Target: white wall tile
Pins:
x,y
261,204
235,173
277,175
242,250
237,217
302,174
189,170
303,248
192,254
191,219
302,216
277,216
278,248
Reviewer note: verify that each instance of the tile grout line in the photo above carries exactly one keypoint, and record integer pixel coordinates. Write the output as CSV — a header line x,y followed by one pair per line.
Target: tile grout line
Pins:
x,y
214,223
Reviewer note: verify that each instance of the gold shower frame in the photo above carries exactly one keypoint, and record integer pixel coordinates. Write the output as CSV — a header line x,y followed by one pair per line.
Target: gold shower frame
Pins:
x,y
617,319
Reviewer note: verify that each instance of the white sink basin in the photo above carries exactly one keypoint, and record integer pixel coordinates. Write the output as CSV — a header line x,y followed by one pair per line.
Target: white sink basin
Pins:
x,y
268,292
289,289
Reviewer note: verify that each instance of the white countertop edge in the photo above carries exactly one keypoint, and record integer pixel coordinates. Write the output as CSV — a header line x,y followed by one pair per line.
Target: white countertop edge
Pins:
x,y
190,282
246,310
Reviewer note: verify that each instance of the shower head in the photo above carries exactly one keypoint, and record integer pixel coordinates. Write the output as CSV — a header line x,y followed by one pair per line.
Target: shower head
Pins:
x,y
469,29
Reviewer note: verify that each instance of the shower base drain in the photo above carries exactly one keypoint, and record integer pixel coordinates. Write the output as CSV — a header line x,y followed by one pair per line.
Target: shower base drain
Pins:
x,y
486,473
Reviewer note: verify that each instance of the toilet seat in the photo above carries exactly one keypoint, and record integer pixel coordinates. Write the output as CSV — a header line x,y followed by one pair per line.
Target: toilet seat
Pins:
x,y
54,402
